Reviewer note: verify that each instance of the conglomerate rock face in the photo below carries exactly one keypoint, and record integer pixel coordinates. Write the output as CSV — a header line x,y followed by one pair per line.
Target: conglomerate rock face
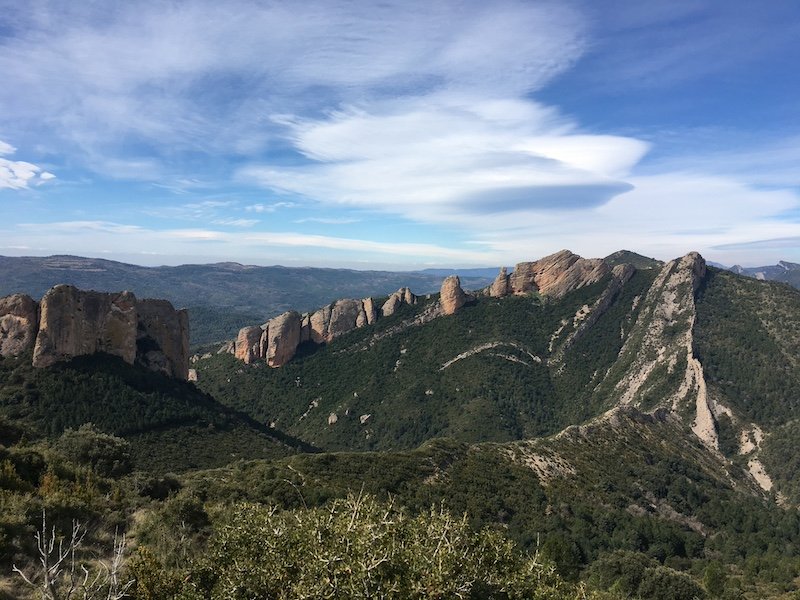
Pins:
x,y
554,275
70,322
19,323
248,343
283,337
75,322
452,297
162,338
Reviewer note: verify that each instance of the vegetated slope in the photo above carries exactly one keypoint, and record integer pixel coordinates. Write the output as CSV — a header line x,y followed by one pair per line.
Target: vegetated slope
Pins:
x,y
498,369
246,293
748,339
171,425
626,257
634,482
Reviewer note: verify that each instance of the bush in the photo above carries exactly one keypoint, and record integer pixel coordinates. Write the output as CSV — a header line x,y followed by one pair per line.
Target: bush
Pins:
x,y
107,455
357,548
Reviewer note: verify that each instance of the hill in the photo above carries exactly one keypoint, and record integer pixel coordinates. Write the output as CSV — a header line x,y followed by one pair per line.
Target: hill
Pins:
x,y
170,424
639,261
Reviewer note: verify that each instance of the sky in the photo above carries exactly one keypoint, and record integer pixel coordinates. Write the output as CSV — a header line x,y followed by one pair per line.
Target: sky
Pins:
x,y
399,134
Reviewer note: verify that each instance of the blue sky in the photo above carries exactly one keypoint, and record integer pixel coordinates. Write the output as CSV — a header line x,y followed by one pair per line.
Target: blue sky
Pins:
x,y
399,134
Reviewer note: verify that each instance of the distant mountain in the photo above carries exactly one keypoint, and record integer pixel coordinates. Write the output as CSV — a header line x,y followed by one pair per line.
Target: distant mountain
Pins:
x,y
220,297
784,271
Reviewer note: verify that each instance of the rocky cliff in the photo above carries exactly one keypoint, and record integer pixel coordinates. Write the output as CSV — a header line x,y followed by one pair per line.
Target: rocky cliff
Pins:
x,y
276,341
555,275
19,320
69,322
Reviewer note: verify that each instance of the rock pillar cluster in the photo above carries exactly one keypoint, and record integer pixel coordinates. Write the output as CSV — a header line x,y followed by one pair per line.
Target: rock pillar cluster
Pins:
x,y
69,322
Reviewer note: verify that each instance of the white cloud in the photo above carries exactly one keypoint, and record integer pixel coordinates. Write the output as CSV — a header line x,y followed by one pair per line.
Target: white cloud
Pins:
x,y
6,148
18,174
269,208
236,222
663,215
329,220
448,157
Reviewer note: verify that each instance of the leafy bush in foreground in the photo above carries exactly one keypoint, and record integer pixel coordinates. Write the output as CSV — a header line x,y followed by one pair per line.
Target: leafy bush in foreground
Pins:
x,y
356,548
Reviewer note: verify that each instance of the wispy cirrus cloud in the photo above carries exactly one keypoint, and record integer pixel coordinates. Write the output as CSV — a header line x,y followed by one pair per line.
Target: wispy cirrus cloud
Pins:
x,y
269,208
144,79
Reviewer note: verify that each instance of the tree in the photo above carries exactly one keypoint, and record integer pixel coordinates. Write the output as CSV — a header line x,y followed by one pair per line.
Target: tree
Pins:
x,y
61,577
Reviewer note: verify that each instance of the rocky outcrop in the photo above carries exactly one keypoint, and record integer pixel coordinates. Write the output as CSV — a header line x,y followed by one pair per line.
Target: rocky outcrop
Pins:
x,y
452,297
500,286
247,347
19,322
162,338
74,323
662,340
69,322
620,275
370,312
396,300
554,275
345,315
282,337
318,325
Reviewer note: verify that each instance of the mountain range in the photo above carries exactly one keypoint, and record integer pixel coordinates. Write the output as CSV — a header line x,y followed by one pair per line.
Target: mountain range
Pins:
x,y
621,416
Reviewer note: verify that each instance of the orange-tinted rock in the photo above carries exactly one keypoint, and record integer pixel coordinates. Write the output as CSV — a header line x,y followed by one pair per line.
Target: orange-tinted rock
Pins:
x,y
557,274
74,323
19,323
500,286
283,337
248,344
162,338
452,297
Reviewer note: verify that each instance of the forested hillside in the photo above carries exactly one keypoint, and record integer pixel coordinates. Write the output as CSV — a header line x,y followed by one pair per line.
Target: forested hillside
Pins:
x,y
630,438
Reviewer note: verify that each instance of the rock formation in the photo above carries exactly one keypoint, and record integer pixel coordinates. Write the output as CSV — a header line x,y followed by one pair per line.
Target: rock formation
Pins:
x,y
19,322
344,316
318,323
283,337
452,297
554,275
370,312
69,322
73,323
247,347
500,286
162,337
396,300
